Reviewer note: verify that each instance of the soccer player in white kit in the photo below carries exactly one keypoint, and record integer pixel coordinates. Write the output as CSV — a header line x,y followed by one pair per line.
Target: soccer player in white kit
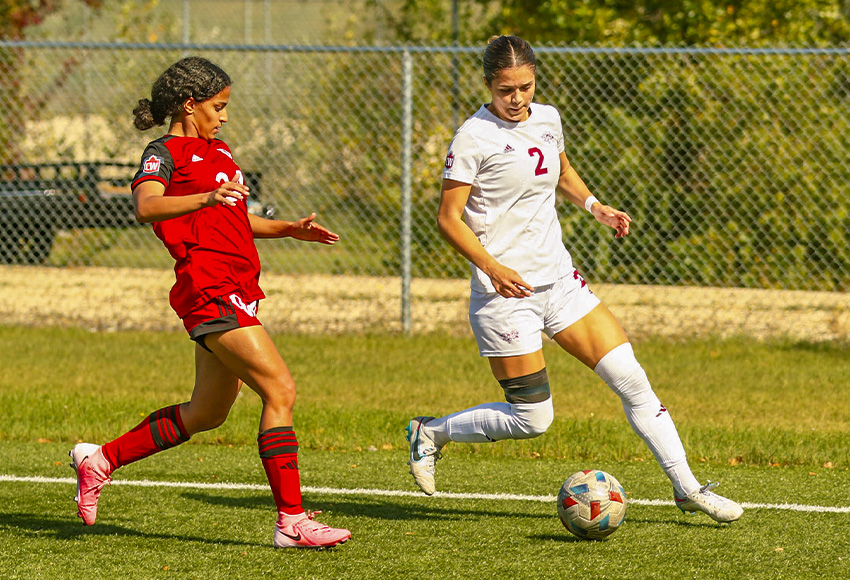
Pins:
x,y
498,209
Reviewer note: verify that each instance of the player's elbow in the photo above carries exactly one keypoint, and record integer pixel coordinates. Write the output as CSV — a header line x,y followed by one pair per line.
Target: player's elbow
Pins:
x,y
444,225
143,211
142,217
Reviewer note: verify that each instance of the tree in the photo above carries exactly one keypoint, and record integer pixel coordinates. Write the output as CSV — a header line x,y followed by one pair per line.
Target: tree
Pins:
x,y
622,22
669,137
677,22
15,17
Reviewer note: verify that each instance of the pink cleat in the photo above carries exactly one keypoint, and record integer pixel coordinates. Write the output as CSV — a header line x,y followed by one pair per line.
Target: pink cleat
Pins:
x,y
302,532
93,471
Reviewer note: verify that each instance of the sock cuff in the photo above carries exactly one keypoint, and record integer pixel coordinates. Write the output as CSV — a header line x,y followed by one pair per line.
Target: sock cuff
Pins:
x,y
167,428
277,441
533,388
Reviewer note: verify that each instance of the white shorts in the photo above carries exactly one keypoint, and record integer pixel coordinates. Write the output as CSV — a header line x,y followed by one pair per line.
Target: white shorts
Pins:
x,y
512,326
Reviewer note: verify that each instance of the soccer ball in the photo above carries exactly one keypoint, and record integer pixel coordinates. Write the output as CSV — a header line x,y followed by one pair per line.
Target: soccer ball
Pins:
x,y
592,504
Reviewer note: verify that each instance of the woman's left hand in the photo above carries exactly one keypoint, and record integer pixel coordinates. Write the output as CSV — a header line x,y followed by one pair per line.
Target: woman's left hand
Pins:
x,y
307,230
619,220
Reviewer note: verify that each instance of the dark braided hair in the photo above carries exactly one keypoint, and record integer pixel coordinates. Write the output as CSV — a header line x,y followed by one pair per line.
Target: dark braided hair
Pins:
x,y
506,52
192,76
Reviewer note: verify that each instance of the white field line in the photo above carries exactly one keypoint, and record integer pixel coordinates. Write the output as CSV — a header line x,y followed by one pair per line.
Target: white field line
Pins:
x,y
399,493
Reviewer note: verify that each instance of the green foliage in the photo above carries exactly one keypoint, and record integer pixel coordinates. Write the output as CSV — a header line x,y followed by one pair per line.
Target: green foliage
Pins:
x,y
429,22
676,138
621,22
15,17
731,165
676,22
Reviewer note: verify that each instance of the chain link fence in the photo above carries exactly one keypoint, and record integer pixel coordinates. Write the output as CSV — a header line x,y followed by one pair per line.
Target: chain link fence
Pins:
x,y
733,164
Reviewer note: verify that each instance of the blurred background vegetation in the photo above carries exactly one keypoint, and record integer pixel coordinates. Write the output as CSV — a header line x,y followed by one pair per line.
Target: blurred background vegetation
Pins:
x,y
731,153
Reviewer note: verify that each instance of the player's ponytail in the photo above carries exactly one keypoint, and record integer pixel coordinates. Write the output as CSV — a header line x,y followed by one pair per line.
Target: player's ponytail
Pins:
x,y
142,116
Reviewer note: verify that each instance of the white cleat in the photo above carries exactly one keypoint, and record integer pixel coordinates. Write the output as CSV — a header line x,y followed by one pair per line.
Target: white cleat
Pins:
x,y
424,454
718,508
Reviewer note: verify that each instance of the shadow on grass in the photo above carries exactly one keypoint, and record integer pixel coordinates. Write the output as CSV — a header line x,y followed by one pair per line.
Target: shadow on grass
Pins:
x,y
676,520
567,537
63,529
384,509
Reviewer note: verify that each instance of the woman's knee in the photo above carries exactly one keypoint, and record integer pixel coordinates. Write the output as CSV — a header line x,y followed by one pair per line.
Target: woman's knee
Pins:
x,y
533,419
531,404
280,397
197,418
626,377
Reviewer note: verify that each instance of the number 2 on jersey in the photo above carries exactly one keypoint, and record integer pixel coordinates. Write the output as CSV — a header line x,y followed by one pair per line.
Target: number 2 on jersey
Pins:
x,y
539,170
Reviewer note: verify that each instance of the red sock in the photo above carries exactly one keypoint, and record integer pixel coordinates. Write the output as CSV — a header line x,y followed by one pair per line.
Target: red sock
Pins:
x,y
279,454
160,430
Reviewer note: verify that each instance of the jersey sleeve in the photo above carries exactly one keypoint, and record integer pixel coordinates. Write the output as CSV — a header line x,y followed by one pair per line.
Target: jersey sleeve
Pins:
x,y
463,159
560,137
157,165
559,123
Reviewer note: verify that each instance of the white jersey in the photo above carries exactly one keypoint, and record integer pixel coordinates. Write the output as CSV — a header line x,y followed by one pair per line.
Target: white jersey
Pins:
x,y
513,169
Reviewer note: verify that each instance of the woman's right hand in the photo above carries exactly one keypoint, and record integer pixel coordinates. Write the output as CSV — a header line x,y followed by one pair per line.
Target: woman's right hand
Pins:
x,y
508,282
228,193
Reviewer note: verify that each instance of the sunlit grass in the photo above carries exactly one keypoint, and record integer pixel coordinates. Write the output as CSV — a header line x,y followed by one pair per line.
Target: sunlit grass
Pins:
x,y
767,420
733,401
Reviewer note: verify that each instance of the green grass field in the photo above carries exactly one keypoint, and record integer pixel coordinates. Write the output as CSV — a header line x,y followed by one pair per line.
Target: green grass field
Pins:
x,y
769,421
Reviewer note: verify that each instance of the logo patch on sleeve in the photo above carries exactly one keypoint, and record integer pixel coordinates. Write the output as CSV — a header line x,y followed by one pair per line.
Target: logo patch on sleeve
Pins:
x,y
450,160
152,164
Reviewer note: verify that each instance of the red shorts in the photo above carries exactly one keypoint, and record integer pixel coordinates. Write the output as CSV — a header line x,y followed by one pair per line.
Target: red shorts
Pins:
x,y
220,314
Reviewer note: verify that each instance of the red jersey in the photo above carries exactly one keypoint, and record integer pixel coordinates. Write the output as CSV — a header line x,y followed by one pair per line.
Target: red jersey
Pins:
x,y
213,247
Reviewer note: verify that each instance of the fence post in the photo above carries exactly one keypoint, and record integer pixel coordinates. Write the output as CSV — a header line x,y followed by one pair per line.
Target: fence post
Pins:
x,y
406,168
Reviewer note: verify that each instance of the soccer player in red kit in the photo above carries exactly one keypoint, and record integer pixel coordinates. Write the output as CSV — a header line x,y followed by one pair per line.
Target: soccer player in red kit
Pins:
x,y
192,191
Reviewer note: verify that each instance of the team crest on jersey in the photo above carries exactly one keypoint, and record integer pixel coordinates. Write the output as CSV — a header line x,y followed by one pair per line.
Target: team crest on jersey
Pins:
x,y
151,164
509,337
226,152
549,137
450,160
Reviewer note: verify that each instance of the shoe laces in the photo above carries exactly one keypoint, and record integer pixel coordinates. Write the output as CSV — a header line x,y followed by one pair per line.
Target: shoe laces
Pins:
x,y
709,486
97,475
309,523
431,452
101,484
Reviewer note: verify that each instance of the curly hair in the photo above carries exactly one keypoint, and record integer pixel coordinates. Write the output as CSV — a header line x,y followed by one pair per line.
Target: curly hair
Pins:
x,y
506,52
192,76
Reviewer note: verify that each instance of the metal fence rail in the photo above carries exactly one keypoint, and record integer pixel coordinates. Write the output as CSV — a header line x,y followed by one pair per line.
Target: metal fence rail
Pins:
x,y
733,162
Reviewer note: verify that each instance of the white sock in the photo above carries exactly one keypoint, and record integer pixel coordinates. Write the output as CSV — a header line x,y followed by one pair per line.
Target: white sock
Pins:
x,y
492,422
648,417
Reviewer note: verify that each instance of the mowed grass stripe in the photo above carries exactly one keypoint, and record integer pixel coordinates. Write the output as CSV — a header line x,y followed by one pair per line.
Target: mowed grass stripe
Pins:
x,y
400,493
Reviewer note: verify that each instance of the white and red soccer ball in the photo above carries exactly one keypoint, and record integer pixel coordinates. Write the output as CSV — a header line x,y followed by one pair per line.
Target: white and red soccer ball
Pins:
x,y
592,504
